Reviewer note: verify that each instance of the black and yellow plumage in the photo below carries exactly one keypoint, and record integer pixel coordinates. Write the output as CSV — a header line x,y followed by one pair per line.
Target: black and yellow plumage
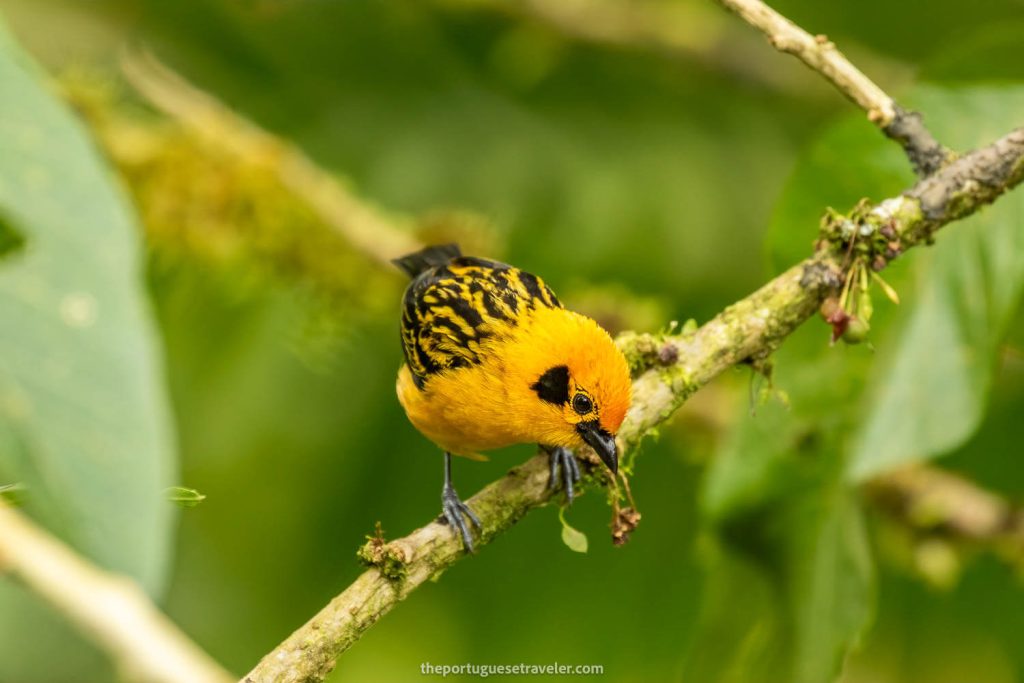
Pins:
x,y
494,359
456,302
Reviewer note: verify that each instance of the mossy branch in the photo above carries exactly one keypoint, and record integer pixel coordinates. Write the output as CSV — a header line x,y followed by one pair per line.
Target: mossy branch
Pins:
x,y
373,231
667,369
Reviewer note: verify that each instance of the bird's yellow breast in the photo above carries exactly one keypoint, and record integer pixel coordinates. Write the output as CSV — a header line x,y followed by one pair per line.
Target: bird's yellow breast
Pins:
x,y
491,404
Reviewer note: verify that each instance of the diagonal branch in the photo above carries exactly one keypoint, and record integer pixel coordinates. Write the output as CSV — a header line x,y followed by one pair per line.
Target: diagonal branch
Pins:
x,y
109,610
669,369
926,154
368,228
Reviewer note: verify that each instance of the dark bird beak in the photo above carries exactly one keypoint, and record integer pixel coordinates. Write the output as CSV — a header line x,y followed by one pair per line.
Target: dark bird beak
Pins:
x,y
602,442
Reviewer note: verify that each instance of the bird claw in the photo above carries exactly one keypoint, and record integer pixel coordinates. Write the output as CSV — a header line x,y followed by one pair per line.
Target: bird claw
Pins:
x,y
453,509
563,457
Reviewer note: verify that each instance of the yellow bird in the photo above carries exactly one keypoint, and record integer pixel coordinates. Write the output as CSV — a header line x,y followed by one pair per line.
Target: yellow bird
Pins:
x,y
493,359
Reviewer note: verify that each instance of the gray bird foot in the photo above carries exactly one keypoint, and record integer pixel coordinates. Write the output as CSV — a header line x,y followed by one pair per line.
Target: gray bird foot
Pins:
x,y
563,457
453,509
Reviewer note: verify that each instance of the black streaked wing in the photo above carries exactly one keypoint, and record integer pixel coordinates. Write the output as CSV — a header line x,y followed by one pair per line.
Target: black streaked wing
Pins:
x,y
449,310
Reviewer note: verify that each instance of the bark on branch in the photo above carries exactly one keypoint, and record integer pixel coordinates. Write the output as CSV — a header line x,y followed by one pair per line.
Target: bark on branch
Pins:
x,y
669,368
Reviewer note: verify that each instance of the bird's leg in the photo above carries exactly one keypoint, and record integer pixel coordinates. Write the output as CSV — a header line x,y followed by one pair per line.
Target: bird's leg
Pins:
x,y
452,508
563,457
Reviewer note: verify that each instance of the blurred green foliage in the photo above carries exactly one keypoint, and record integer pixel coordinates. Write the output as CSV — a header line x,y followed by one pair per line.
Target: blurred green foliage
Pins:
x,y
85,427
620,176
781,490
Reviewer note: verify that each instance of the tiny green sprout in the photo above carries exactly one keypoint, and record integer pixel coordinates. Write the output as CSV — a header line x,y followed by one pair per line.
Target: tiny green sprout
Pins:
x,y
886,288
864,306
850,313
185,497
575,539
689,327
764,392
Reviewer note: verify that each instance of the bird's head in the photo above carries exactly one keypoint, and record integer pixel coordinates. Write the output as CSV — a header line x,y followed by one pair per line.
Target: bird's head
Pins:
x,y
580,384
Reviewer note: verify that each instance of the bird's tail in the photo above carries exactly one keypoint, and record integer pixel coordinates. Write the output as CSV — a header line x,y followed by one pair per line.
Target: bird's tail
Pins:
x,y
426,258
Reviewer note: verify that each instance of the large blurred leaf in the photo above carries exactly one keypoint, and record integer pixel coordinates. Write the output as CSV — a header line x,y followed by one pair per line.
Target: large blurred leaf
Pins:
x,y
793,617
791,546
988,53
930,387
84,422
779,494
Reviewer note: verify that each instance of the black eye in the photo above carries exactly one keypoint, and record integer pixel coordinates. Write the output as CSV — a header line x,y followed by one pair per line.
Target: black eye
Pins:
x,y
581,404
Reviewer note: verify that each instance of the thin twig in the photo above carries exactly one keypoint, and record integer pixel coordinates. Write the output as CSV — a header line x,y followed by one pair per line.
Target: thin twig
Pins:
x,y
747,331
819,53
110,610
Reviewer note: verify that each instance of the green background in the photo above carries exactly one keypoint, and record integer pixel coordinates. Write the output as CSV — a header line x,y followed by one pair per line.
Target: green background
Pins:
x,y
597,165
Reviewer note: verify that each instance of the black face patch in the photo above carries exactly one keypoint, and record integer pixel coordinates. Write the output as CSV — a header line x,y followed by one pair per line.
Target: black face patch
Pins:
x,y
553,385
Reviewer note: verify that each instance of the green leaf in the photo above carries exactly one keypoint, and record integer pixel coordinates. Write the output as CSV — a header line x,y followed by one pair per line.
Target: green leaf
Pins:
x,y
779,496
787,531
930,386
575,539
791,610
185,497
84,420
937,354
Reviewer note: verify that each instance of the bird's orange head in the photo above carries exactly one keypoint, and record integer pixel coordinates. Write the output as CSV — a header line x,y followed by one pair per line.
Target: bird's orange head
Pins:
x,y
579,383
